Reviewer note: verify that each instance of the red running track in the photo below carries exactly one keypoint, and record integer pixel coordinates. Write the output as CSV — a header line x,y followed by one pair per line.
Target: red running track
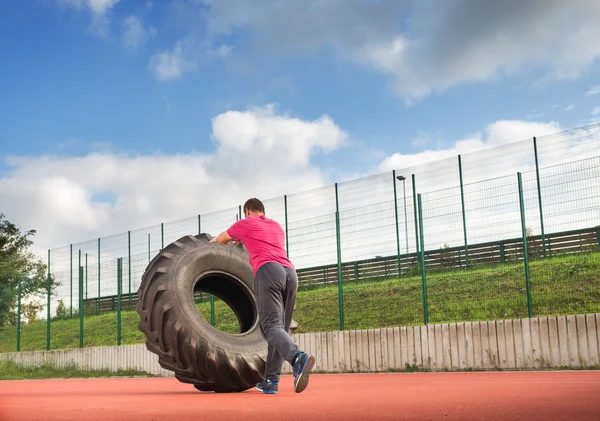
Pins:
x,y
573,395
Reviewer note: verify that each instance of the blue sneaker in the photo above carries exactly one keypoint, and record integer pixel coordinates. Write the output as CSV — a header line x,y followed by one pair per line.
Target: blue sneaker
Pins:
x,y
267,386
304,363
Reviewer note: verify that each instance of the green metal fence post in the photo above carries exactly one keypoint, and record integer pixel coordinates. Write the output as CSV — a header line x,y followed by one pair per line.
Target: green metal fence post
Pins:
x,y
162,236
129,264
423,272
119,286
287,242
539,188
148,247
462,201
339,259
48,305
240,211
86,276
199,225
19,318
98,276
598,234
397,227
414,189
525,254
71,277
81,306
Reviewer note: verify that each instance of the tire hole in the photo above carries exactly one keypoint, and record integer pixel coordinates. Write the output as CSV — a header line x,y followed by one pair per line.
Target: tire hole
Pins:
x,y
234,307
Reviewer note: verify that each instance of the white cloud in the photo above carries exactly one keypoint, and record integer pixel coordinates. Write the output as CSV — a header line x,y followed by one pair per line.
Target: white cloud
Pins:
x,y
173,63
594,90
184,57
437,46
499,133
258,152
134,32
569,107
99,10
223,51
96,6
596,111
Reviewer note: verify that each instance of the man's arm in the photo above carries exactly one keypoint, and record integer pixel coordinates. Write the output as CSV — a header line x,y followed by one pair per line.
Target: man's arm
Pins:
x,y
222,238
225,238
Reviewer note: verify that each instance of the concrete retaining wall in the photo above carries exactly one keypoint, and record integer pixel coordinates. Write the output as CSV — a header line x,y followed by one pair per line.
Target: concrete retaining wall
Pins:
x,y
541,342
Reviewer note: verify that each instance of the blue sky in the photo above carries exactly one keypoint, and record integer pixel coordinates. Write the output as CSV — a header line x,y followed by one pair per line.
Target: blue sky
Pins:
x,y
93,88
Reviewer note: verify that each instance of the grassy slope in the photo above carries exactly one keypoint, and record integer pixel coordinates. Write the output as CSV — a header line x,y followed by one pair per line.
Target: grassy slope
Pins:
x,y
561,285
10,370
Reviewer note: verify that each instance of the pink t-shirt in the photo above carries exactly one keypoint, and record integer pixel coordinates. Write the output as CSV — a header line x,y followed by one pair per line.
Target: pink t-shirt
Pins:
x,y
263,238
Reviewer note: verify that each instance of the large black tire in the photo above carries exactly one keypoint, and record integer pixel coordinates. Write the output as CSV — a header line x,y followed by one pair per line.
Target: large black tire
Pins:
x,y
184,341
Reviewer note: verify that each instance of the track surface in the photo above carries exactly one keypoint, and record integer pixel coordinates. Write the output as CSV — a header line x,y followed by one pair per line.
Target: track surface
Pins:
x,y
573,395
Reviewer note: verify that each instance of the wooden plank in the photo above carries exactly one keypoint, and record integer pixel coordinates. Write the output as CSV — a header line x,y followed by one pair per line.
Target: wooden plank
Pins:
x,y
572,341
417,358
501,340
563,341
554,342
347,355
592,339
398,364
545,353
454,357
393,351
404,359
446,348
439,346
469,346
493,354
321,352
527,343
477,351
378,366
518,338
355,354
460,346
535,342
372,350
384,349
424,333
364,338
432,351
485,345
584,355
331,344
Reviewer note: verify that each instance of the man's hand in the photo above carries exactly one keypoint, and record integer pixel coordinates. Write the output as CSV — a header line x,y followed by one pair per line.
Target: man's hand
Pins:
x,y
224,238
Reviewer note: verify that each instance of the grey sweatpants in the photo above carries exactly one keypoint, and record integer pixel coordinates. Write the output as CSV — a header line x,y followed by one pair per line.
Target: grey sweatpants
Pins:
x,y
275,288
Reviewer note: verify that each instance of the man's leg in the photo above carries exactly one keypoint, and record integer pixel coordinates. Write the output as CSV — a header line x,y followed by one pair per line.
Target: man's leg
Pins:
x,y
304,362
274,359
270,287
289,297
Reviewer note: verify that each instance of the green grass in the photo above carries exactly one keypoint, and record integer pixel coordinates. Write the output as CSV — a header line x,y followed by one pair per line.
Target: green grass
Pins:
x,y
559,285
10,370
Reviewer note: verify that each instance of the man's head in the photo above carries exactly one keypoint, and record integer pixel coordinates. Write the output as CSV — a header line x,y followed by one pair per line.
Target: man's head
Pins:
x,y
254,207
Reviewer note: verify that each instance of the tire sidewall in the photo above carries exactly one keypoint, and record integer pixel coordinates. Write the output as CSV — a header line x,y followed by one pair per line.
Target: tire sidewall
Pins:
x,y
198,262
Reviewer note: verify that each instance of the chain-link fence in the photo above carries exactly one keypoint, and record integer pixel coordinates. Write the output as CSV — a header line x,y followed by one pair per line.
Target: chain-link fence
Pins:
x,y
509,231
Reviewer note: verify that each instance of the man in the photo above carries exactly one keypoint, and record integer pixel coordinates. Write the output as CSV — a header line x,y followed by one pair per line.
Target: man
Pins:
x,y
275,286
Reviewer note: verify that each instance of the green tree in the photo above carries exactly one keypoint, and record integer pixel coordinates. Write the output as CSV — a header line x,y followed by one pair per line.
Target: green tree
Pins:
x,y
17,262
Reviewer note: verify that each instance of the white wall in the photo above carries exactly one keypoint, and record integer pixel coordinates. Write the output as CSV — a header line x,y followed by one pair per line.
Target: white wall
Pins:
x,y
540,342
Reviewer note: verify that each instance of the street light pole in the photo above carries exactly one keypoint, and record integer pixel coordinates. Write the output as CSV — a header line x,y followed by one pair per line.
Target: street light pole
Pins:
x,y
403,179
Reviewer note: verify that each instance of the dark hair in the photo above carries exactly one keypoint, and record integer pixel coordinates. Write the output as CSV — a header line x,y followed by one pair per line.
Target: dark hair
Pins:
x,y
254,205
